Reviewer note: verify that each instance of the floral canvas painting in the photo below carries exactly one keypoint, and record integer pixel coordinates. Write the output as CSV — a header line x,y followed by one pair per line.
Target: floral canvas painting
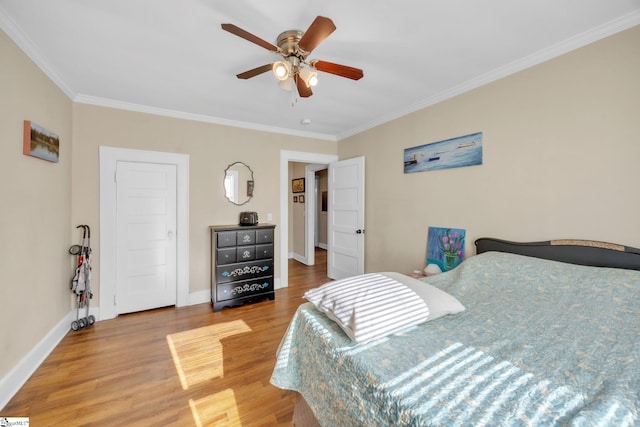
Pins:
x,y
445,247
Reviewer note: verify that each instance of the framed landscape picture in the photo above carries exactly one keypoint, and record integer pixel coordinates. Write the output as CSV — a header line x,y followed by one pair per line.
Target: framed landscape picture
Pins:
x,y
40,142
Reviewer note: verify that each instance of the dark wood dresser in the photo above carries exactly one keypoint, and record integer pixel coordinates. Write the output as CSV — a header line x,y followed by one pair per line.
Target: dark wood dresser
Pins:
x,y
241,264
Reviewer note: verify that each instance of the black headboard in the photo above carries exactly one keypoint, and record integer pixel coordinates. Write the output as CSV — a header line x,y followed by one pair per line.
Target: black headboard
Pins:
x,y
582,252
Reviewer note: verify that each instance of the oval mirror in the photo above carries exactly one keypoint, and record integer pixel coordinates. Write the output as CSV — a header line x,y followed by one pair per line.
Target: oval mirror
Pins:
x,y
238,183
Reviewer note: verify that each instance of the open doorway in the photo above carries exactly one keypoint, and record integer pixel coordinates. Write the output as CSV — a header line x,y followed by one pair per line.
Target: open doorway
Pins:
x,y
321,219
308,216
286,199
345,255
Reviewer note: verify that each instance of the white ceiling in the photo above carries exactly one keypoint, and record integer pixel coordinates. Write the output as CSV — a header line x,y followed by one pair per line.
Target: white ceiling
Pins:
x,y
172,58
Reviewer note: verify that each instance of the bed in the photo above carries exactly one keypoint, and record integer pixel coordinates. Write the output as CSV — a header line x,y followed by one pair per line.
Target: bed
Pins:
x,y
538,342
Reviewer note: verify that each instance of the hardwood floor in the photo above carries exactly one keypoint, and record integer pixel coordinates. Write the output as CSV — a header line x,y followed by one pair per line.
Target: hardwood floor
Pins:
x,y
172,367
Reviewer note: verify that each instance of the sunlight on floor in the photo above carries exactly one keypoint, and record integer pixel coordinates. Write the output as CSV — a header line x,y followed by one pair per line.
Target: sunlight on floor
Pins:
x,y
197,353
218,409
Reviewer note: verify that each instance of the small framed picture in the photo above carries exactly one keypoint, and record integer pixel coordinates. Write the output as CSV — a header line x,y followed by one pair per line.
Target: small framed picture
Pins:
x,y
295,199
301,199
297,185
249,188
41,143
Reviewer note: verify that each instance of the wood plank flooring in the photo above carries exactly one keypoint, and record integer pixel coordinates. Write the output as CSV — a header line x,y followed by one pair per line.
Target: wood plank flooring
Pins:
x,y
172,366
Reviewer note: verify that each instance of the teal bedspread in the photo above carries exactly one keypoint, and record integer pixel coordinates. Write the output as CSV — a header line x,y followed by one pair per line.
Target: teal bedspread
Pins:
x,y
540,343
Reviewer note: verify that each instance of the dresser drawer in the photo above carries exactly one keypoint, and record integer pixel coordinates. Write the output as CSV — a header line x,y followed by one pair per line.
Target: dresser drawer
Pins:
x,y
246,237
226,255
264,236
245,288
243,271
245,253
264,251
226,239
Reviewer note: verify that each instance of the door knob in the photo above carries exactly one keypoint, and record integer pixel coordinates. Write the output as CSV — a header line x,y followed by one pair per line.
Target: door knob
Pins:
x,y
359,231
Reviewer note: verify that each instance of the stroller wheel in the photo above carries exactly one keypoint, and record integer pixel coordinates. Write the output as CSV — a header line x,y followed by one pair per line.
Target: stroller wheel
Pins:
x,y
74,325
91,319
82,322
75,249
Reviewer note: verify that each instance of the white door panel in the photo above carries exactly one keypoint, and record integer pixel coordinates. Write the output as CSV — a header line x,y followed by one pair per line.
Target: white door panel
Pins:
x,y
346,218
146,248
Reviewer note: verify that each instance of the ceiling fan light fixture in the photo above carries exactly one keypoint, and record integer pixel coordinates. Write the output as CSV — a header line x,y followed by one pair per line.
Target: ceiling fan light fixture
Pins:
x,y
286,84
310,78
292,70
281,70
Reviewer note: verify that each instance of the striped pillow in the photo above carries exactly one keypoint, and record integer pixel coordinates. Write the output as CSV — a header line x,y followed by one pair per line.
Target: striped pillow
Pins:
x,y
369,306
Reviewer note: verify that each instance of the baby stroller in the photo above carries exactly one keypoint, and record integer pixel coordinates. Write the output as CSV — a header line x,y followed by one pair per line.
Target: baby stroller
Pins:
x,y
81,282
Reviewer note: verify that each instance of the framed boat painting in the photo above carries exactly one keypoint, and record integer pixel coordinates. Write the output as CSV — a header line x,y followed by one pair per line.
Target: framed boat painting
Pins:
x,y
451,153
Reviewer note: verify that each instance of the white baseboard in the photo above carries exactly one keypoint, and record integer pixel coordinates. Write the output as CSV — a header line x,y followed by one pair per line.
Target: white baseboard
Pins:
x,y
323,246
11,383
200,297
300,258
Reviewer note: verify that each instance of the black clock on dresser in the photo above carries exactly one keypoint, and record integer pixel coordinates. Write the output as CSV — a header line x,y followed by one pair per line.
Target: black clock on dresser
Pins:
x,y
241,264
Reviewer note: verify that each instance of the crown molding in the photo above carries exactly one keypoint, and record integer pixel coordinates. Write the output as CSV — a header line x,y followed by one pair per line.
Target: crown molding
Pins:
x,y
608,29
110,103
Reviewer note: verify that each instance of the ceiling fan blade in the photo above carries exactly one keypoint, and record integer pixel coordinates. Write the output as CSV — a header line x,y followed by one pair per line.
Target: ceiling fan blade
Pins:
x,y
254,72
337,69
319,30
249,37
303,90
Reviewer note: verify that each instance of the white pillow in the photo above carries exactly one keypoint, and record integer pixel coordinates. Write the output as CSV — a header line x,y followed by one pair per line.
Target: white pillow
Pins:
x,y
372,306
369,306
375,305
439,302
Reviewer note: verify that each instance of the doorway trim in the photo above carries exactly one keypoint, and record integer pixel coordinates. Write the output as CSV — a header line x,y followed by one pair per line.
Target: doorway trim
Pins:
x,y
285,158
109,158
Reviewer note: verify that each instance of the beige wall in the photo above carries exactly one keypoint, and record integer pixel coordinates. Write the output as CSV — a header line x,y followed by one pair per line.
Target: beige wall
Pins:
x,y
211,148
561,159
35,231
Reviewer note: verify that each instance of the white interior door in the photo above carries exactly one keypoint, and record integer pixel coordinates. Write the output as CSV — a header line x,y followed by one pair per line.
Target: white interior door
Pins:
x,y
346,218
145,236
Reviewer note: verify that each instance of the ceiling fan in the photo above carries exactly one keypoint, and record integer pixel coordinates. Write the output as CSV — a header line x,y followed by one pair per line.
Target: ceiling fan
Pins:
x,y
294,46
